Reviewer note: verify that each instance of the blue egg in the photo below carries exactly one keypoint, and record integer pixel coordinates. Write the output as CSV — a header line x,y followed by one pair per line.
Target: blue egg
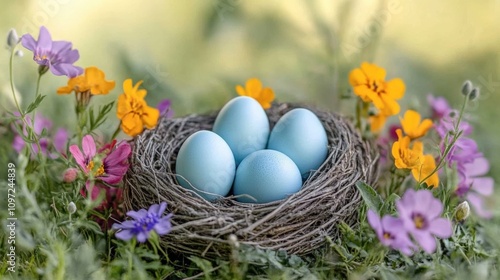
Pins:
x,y
244,125
206,165
300,135
266,176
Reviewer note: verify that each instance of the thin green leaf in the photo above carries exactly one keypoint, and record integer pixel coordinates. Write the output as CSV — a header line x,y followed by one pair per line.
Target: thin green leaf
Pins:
x,y
370,196
35,104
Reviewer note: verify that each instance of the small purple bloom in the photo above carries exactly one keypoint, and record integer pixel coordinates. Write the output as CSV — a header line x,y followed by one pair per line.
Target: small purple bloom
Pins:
x,y
420,212
41,123
165,108
391,232
144,222
439,106
475,187
58,56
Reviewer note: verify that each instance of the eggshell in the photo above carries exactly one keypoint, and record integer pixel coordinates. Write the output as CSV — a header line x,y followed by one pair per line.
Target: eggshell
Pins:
x,y
206,165
244,125
300,135
266,176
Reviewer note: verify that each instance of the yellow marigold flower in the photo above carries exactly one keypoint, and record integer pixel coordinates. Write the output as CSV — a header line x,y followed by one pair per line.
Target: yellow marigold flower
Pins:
x,y
133,111
404,157
370,85
92,81
253,88
412,126
427,167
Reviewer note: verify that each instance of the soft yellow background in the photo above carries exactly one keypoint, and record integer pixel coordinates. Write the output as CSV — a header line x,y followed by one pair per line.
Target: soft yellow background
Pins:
x,y
194,52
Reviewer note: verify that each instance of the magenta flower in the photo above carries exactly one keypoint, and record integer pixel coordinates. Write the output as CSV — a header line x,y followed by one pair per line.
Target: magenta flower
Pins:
x,y
420,212
165,108
144,222
439,106
475,187
56,55
391,232
112,168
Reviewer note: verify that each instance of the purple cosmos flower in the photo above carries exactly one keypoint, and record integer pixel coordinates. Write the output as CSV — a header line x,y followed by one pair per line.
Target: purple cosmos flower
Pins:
x,y
391,232
475,187
165,109
113,166
420,212
144,222
56,55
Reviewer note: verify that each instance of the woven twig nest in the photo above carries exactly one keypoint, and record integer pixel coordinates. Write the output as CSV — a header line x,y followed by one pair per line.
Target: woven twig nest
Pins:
x,y
297,224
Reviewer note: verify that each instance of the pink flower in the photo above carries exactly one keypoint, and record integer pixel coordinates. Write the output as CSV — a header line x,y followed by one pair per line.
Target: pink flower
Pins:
x,y
420,212
112,168
391,232
475,187
112,200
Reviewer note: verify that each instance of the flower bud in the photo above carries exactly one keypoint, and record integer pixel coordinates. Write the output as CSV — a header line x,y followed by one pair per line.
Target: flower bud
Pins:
x,y
474,94
19,53
12,38
70,175
71,207
466,87
233,240
462,211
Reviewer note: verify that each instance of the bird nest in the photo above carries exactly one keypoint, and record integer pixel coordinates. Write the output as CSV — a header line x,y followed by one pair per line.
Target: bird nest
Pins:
x,y
297,224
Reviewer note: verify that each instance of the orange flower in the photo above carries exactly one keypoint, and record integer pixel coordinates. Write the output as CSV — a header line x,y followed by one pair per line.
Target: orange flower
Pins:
x,y
427,167
370,85
412,126
404,157
253,88
377,122
92,80
133,111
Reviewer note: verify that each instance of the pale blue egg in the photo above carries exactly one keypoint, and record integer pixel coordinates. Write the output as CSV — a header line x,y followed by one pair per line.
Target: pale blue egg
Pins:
x,y
266,176
206,165
244,125
300,135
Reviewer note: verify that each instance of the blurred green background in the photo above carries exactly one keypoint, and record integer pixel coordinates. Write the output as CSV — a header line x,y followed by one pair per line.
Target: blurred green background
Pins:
x,y
195,52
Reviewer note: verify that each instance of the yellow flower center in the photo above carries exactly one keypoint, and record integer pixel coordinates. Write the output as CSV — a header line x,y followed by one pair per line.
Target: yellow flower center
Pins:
x,y
98,172
136,105
410,158
419,221
387,235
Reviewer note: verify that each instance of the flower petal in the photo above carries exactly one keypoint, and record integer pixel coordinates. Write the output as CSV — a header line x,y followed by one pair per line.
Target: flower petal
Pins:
x,y
132,124
441,228
241,91
478,167
375,222
483,185
150,116
137,215
44,42
88,146
478,204
426,240
28,42
124,235
79,158
373,71
357,77
253,87
395,88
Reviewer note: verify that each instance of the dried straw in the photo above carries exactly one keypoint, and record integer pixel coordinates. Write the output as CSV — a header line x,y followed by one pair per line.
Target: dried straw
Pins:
x,y
297,224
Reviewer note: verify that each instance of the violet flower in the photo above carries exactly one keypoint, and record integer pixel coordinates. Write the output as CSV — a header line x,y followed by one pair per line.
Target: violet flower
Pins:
x,y
420,212
58,56
439,106
165,108
391,232
112,168
475,187
144,222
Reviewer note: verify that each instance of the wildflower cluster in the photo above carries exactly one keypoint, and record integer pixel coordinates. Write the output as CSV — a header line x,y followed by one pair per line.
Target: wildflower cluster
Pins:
x,y
419,212
98,167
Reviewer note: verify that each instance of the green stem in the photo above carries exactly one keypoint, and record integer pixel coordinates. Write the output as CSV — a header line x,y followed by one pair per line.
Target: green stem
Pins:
x,y
447,150
11,70
117,130
131,254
